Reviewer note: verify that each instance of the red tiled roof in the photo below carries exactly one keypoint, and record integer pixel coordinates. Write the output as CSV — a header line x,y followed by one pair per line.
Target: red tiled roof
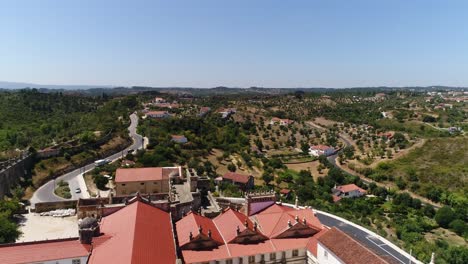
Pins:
x,y
350,187
336,198
236,177
347,249
178,137
312,244
228,222
274,220
137,233
157,113
139,174
285,191
191,223
321,147
33,252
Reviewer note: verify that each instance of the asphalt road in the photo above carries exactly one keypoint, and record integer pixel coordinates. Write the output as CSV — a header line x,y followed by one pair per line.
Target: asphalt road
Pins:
x,y
45,193
375,244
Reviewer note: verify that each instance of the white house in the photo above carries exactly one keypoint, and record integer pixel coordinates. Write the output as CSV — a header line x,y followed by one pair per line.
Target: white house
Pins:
x,y
318,150
347,191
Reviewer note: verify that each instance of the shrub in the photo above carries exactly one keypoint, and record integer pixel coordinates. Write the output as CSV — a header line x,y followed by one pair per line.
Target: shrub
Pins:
x,y
444,216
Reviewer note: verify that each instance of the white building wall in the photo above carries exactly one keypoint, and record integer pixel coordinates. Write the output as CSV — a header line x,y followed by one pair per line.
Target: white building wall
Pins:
x,y
83,260
325,256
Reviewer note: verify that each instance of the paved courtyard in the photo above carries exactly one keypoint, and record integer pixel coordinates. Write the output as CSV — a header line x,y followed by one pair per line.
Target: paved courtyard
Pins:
x,y
35,227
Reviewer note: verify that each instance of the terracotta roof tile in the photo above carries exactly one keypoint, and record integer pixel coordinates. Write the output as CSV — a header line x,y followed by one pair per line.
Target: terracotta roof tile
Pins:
x,y
143,174
137,233
347,249
236,177
350,187
34,252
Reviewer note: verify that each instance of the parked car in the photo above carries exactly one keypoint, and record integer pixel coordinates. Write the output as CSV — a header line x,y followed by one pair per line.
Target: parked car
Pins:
x,y
77,190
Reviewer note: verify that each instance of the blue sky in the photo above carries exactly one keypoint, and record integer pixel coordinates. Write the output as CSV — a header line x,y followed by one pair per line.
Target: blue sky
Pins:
x,y
326,43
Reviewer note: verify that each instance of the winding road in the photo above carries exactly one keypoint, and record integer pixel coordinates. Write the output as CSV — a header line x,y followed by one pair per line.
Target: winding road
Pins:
x,y
45,193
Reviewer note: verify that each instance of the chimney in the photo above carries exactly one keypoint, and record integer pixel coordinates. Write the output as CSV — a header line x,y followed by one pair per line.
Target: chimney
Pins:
x,y
87,229
296,204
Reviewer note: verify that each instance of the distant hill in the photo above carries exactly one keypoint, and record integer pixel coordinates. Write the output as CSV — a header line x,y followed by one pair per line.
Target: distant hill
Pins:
x,y
220,90
19,85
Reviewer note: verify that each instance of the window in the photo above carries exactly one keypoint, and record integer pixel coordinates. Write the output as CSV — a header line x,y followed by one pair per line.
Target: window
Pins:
x,y
229,261
76,261
283,255
155,182
325,253
142,183
262,257
295,253
251,259
272,256
241,260
123,184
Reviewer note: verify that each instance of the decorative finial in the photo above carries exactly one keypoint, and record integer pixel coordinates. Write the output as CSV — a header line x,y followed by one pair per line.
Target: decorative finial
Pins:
x,y
304,221
296,205
209,232
238,230
289,223
200,229
190,235
297,219
246,223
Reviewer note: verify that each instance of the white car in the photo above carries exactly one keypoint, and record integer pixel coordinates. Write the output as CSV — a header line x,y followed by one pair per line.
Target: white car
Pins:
x,y
77,190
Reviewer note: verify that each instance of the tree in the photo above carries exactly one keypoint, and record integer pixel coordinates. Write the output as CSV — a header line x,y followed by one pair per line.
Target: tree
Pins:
x,y
267,177
444,216
8,230
231,167
305,147
458,226
349,152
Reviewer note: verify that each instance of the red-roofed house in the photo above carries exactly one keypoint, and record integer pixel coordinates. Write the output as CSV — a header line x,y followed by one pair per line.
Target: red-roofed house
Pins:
x,y
204,110
245,182
144,180
318,150
179,139
347,191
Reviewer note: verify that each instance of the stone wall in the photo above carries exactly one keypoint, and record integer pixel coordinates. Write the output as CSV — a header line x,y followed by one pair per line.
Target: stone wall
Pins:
x,y
49,206
12,171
